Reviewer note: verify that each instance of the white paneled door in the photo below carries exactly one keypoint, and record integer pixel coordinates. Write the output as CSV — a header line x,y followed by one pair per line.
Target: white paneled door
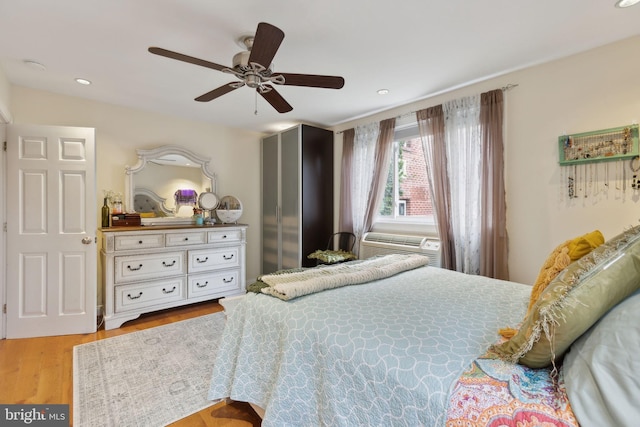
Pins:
x,y
51,226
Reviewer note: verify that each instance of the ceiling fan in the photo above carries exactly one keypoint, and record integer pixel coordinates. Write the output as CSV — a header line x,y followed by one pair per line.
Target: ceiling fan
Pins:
x,y
253,68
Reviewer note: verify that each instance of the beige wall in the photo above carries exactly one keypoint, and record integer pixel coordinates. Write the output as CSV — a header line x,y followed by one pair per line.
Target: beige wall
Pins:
x,y
594,90
234,153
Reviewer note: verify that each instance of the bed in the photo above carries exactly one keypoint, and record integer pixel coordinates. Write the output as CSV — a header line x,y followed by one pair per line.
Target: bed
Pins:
x,y
420,346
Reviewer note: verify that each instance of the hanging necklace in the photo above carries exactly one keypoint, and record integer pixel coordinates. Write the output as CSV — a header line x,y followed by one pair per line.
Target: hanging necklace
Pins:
x,y
634,164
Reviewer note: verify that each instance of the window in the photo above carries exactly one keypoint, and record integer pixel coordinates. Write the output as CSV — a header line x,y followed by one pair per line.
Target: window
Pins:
x,y
402,207
406,196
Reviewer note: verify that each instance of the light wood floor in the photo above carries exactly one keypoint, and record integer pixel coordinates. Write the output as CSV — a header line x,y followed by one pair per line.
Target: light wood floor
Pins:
x,y
39,370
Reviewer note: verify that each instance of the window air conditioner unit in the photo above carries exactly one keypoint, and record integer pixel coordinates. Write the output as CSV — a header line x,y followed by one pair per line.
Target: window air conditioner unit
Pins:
x,y
383,243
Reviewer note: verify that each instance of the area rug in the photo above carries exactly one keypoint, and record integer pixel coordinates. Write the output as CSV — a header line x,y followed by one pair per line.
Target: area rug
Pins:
x,y
146,378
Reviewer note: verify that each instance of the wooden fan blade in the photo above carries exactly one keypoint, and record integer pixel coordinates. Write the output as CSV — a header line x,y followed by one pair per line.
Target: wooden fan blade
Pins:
x,y
218,92
185,58
265,44
312,80
276,100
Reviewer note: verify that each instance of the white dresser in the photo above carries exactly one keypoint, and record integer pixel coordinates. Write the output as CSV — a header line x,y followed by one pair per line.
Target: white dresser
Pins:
x,y
151,268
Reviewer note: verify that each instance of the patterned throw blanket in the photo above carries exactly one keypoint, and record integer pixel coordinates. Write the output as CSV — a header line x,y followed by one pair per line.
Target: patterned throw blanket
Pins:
x,y
290,285
495,393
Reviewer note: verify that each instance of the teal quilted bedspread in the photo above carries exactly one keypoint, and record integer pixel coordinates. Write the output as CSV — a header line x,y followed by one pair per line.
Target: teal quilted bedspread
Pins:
x,y
385,353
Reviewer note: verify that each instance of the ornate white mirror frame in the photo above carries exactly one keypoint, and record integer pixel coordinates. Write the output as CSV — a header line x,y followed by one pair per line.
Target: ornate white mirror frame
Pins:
x,y
158,154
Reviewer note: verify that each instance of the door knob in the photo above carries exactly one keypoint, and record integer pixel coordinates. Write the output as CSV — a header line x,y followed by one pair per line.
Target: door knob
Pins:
x,y
87,240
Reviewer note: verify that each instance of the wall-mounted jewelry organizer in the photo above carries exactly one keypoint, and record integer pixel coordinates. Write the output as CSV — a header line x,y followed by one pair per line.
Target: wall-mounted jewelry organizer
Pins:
x,y
601,145
591,161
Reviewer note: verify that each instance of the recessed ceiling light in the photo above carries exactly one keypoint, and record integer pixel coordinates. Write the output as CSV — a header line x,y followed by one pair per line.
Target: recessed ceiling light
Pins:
x,y
35,64
626,3
386,91
83,81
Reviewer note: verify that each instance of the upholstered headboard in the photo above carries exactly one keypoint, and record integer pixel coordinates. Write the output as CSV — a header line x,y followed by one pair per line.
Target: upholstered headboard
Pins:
x,y
146,201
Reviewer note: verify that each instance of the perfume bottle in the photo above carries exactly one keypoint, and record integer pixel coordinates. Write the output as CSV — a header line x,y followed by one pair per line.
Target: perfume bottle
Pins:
x,y
105,214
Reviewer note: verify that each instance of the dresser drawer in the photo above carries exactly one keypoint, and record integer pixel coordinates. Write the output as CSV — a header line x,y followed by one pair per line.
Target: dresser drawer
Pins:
x,y
213,259
220,236
222,282
141,241
149,266
185,239
130,297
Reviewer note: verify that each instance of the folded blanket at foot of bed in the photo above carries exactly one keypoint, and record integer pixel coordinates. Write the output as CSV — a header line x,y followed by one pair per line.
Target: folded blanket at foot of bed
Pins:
x,y
291,284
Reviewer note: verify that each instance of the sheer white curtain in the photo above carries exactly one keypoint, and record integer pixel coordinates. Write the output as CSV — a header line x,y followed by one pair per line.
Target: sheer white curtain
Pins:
x,y
464,153
364,150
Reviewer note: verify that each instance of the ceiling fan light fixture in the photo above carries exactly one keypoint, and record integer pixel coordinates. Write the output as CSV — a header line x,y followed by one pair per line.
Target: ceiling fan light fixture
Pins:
x,y
252,80
626,3
254,68
383,91
83,81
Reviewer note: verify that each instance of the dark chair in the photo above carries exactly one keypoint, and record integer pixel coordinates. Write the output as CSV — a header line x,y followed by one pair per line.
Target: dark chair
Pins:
x,y
339,249
344,239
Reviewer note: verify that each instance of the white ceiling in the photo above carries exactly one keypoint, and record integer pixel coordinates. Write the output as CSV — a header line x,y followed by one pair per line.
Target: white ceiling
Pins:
x,y
414,48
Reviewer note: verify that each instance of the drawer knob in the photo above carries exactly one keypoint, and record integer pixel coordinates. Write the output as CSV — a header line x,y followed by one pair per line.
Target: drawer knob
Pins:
x,y
139,242
186,238
227,257
169,265
227,280
202,286
136,297
134,268
224,236
202,260
164,291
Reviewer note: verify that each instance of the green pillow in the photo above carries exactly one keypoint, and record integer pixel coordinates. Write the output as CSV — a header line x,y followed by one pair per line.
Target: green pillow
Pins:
x,y
573,301
332,257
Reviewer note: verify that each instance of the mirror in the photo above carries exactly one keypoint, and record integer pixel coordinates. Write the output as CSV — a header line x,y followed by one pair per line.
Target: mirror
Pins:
x,y
165,183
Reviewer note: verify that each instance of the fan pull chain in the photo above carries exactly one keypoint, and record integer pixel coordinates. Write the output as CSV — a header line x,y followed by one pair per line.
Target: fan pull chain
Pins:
x,y
255,111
